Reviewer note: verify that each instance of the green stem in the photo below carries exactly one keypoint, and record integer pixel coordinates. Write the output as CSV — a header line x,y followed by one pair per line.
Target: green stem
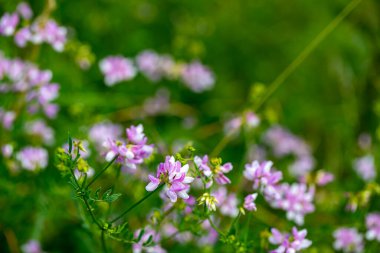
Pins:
x,y
104,245
101,172
137,203
234,222
307,51
214,226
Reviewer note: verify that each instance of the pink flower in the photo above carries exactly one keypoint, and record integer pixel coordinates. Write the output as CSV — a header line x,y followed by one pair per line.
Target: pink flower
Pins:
x,y
227,203
24,10
348,240
175,178
249,202
32,246
365,167
324,177
130,154
289,243
203,166
261,174
117,69
373,226
153,65
32,158
22,36
197,77
8,23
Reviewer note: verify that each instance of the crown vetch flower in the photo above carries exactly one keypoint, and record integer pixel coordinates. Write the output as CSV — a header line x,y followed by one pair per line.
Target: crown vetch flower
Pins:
x,y
289,243
132,153
117,69
175,178
261,174
227,203
373,226
365,167
8,23
203,165
24,10
249,202
348,240
32,158
197,77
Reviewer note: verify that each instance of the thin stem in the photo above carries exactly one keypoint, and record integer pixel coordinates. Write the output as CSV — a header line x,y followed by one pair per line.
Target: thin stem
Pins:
x,y
234,222
136,204
101,172
214,226
307,51
104,245
220,146
92,213
247,228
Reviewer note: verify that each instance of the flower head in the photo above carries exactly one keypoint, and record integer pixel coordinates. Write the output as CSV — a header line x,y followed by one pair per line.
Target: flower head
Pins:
x,y
289,243
348,240
117,69
32,158
373,226
249,202
174,176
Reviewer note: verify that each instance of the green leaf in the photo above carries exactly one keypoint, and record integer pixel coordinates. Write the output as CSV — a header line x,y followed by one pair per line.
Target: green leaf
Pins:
x,y
70,144
109,197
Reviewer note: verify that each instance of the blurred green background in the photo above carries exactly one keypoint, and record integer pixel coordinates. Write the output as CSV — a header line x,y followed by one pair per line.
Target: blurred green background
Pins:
x,y
329,100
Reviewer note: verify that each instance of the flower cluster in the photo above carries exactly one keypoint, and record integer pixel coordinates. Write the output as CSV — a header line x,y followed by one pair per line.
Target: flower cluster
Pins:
x,y
365,167
32,158
174,176
227,203
116,69
194,75
249,202
132,153
213,169
289,243
373,226
349,240
284,143
25,78
295,199
41,130
39,31
100,133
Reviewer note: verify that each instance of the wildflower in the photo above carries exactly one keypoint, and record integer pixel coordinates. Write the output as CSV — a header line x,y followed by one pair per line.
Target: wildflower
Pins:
x,y
24,10
132,153
7,118
153,65
296,200
117,69
202,164
365,167
227,203
8,23
348,240
197,77
373,226
324,178
40,129
32,246
289,243
32,158
249,202
22,36
261,174
175,178
219,170
102,132
7,150
209,200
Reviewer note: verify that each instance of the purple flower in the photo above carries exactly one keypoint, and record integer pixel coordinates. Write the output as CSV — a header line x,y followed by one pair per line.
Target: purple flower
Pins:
x,y
175,178
227,203
323,178
203,165
8,23
249,202
136,134
32,246
197,77
40,129
289,243
373,226
100,133
7,150
348,240
262,174
32,158
24,10
7,118
117,69
153,65
22,36
295,199
365,167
